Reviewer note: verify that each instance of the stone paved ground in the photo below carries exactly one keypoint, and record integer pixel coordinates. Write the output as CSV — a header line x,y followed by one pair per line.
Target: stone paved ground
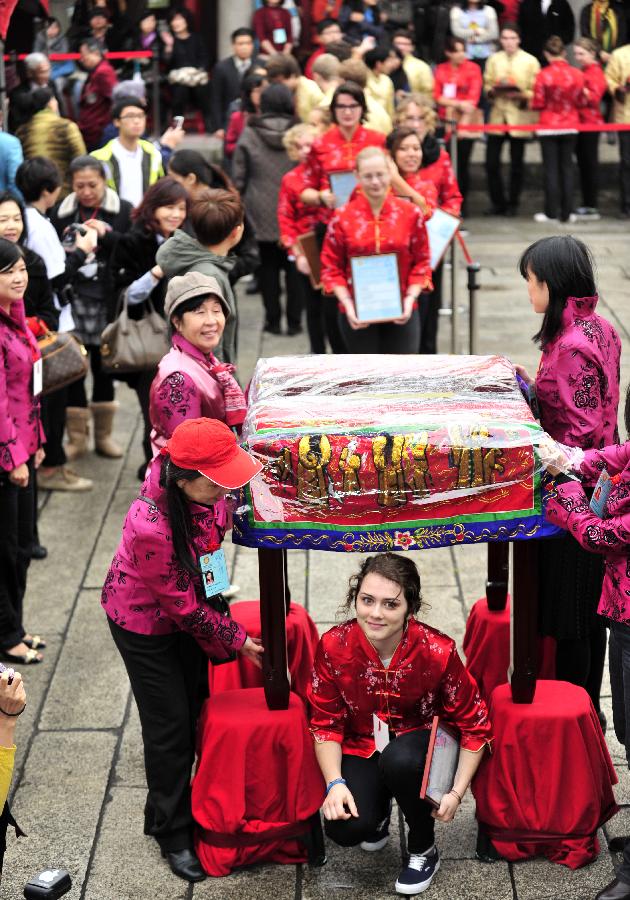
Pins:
x,y
79,782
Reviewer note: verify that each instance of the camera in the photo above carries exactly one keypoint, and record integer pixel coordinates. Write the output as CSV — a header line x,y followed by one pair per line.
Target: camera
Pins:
x,y
70,234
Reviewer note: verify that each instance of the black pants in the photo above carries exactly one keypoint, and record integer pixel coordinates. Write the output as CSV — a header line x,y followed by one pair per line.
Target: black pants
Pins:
x,y
493,171
321,317
396,772
464,149
557,154
586,151
197,97
430,305
273,259
141,384
17,511
384,337
581,660
102,383
54,422
169,680
624,169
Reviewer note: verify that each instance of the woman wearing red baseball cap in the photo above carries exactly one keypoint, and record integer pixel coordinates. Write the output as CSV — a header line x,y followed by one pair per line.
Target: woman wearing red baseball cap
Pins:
x,y
162,596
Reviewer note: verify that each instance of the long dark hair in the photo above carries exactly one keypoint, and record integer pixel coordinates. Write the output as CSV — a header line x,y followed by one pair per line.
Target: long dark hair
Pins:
x,y
187,162
178,510
10,197
399,569
10,253
566,266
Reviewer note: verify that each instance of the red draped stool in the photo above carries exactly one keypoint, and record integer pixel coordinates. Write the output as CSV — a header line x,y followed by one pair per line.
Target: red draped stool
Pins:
x,y
487,647
547,786
302,639
257,790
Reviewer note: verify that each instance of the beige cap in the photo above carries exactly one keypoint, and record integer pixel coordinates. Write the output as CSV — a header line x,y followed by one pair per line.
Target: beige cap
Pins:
x,y
194,284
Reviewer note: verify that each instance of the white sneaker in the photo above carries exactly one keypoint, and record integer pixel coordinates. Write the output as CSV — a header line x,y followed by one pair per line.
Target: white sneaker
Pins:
x,y
541,217
380,837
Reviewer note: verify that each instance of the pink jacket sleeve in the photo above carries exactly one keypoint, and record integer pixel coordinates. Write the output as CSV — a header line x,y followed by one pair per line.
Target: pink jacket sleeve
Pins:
x,y
570,509
12,451
614,459
334,257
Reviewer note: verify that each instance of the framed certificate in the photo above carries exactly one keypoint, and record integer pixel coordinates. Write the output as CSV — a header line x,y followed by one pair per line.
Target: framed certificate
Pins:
x,y
342,184
441,763
441,228
376,287
310,248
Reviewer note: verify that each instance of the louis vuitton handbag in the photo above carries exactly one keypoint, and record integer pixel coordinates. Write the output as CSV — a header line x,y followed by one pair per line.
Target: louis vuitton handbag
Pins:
x,y
134,345
64,360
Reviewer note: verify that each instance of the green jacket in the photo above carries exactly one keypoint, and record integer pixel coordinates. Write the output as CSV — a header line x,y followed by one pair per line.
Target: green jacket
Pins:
x,y
151,164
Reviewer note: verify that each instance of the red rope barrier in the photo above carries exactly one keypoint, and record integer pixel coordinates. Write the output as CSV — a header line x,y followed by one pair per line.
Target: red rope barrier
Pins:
x,y
463,245
61,57
503,128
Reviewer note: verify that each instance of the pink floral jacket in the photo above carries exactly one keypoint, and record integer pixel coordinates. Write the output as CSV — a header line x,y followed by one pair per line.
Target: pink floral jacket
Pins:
x,y
609,536
577,384
424,678
21,432
148,592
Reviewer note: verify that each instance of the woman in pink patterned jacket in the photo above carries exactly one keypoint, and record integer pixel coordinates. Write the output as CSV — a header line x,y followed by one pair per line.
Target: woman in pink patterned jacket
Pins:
x,y
160,614
190,381
21,439
577,394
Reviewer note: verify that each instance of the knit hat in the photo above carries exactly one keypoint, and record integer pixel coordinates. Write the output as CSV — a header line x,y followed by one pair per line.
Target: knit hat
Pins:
x,y
194,284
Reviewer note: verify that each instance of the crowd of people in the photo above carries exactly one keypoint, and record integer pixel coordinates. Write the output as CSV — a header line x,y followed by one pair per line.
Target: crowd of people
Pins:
x,y
334,148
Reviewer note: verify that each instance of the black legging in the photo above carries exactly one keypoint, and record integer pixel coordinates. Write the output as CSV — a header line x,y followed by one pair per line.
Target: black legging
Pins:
x,y
321,317
373,781
557,154
273,259
16,525
384,337
102,383
581,661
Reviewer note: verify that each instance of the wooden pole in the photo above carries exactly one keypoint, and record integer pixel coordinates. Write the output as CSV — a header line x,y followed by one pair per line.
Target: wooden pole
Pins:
x,y
274,593
524,621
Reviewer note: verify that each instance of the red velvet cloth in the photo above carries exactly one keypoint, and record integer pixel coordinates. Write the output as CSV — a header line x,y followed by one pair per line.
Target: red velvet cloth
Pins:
x,y
487,647
257,781
302,640
547,786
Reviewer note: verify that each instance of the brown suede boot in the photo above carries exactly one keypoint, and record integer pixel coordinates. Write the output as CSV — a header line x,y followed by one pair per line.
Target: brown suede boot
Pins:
x,y
78,429
104,444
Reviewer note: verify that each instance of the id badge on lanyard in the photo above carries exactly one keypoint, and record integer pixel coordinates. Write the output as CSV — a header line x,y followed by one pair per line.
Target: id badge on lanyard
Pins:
x,y
214,573
279,36
38,377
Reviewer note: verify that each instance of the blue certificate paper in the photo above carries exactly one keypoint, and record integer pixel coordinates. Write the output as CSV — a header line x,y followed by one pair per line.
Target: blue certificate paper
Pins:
x,y
441,228
376,287
342,184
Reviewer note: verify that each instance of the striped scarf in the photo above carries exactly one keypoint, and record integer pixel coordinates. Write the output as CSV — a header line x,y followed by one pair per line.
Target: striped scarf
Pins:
x,y
604,28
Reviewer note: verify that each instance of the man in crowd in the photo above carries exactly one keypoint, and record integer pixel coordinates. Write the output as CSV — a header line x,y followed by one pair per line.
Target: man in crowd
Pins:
x,y
132,163
328,32
326,76
228,75
618,78
284,69
379,84
95,102
38,74
509,82
419,74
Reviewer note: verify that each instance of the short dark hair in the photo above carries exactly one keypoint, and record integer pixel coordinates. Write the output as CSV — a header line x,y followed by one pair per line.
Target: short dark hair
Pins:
x,y
192,162
92,46
281,66
352,90
376,55
79,163
165,192
324,24
242,32
402,32
10,197
395,138
123,102
215,214
249,84
35,176
277,99
184,13
510,26
565,265
39,99
10,253
400,569
451,42
554,46
341,50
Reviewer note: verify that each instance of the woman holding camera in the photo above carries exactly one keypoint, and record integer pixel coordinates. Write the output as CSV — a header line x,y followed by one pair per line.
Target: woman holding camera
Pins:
x,y
378,681
162,619
91,201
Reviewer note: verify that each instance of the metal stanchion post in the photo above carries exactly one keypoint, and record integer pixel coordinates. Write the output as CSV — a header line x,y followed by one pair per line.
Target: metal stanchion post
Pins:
x,y
155,74
453,254
473,269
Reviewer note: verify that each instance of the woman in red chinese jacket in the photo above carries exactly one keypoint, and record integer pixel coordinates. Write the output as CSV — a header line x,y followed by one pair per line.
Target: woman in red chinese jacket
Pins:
x,y
296,218
457,90
387,664
373,222
337,149
558,93
586,151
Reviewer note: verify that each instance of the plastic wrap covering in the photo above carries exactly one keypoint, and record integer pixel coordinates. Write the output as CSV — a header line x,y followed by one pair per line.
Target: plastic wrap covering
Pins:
x,y
368,453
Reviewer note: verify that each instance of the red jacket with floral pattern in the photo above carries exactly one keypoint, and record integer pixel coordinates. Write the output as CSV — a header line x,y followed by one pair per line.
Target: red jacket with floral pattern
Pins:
x,y
610,535
577,384
331,152
425,678
466,81
294,217
558,94
443,177
424,185
354,231
595,87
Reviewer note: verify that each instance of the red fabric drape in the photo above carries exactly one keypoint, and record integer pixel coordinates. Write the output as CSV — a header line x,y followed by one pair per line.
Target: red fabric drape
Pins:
x,y
547,787
6,11
487,647
302,639
257,782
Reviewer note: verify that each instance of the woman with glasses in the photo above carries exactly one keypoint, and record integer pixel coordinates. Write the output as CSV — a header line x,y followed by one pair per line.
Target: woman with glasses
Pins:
x,y
337,149
373,223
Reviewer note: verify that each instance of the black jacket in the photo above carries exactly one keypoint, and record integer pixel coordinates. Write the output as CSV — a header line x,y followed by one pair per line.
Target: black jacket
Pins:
x,y
226,87
536,28
38,296
134,254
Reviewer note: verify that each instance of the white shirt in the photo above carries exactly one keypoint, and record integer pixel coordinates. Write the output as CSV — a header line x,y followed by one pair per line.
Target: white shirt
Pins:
x,y
130,166
43,239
